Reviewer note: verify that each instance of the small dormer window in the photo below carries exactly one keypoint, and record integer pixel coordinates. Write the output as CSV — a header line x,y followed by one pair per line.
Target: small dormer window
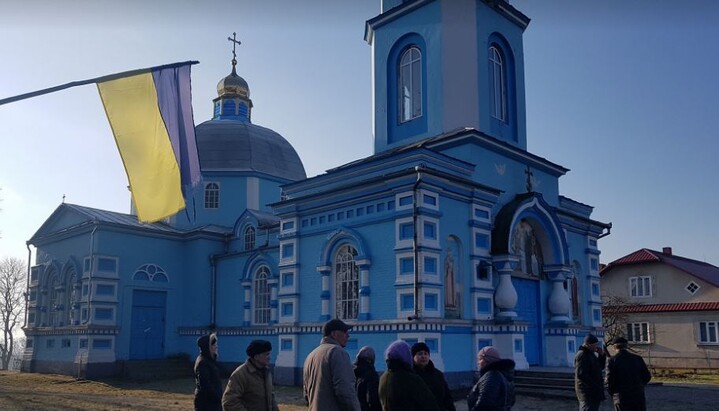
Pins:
x,y
249,238
212,195
692,287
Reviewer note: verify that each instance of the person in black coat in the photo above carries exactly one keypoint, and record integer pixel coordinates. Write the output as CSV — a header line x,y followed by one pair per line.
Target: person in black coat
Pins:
x,y
367,384
627,374
434,378
588,382
208,385
495,389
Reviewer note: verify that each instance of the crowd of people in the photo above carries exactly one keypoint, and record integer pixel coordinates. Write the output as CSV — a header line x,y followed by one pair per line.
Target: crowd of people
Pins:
x,y
412,382
332,382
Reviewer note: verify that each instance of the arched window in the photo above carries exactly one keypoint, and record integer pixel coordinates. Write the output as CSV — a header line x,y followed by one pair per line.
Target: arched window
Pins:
x,y
410,84
71,298
249,238
55,303
212,195
498,84
346,283
150,272
262,296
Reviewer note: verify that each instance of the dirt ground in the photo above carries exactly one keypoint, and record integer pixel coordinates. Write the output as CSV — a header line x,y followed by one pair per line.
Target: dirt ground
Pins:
x,y
23,391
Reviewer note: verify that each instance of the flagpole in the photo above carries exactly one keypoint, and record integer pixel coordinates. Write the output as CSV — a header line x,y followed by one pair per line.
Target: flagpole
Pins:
x,y
101,79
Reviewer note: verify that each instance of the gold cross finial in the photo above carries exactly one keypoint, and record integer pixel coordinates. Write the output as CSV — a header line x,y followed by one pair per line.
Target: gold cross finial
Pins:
x,y
235,42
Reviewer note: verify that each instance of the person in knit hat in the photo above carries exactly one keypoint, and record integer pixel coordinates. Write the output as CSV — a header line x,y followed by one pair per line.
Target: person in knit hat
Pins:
x,y
399,387
208,386
250,385
588,382
434,378
495,389
367,385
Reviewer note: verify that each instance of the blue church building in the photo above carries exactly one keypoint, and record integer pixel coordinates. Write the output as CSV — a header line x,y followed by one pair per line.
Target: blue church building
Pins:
x,y
451,233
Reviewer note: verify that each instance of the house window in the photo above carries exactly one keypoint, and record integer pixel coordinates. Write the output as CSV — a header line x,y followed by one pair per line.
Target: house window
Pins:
x,y
285,344
288,250
212,195
107,264
498,84
481,241
105,289
692,287
249,238
410,84
484,305
640,286
346,283
638,332
65,343
709,332
103,314
262,295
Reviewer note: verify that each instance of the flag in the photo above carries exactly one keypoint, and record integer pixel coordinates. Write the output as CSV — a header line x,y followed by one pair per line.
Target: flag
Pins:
x,y
150,114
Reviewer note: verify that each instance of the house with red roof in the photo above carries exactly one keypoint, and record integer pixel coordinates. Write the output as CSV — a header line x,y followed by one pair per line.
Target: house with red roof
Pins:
x,y
668,306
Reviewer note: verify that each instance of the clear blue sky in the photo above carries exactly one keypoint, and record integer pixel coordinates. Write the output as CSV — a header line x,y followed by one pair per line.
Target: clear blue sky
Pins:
x,y
623,93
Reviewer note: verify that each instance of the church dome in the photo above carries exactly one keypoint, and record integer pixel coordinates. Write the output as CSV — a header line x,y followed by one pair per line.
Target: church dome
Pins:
x,y
233,85
234,145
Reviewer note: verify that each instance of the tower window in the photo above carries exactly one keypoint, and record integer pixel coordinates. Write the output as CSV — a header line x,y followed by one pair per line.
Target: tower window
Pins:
x,y
212,195
498,84
262,296
410,84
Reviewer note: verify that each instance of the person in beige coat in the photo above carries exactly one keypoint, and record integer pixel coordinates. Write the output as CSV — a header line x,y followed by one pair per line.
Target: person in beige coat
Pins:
x,y
328,377
250,385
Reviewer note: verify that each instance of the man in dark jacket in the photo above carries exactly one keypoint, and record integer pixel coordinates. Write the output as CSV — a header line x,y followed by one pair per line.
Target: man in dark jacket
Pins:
x,y
627,374
400,389
208,386
588,382
434,378
367,380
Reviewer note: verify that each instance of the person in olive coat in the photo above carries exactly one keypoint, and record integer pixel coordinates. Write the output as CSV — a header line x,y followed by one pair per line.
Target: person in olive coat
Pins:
x,y
627,374
208,386
250,385
367,380
434,378
400,389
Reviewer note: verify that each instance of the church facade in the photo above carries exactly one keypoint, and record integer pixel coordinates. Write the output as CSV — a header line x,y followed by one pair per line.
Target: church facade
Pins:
x,y
451,233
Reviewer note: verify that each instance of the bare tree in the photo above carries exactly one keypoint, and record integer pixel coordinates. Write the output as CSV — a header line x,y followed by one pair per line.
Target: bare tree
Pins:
x,y
12,304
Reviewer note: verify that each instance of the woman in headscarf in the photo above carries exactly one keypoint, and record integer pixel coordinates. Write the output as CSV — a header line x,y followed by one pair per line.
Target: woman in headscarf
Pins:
x,y
495,389
367,384
208,386
400,388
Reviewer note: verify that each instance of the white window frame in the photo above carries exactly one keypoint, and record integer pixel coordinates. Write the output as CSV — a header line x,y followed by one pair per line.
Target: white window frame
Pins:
x,y
711,329
261,296
345,272
498,80
642,281
642,329
212,196
409,99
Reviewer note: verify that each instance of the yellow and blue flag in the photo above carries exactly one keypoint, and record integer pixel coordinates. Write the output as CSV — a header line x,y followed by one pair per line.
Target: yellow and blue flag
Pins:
x,y
150,114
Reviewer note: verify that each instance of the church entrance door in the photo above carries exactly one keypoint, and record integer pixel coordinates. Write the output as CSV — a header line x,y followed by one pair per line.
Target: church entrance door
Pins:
x,y
528,309
147,330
